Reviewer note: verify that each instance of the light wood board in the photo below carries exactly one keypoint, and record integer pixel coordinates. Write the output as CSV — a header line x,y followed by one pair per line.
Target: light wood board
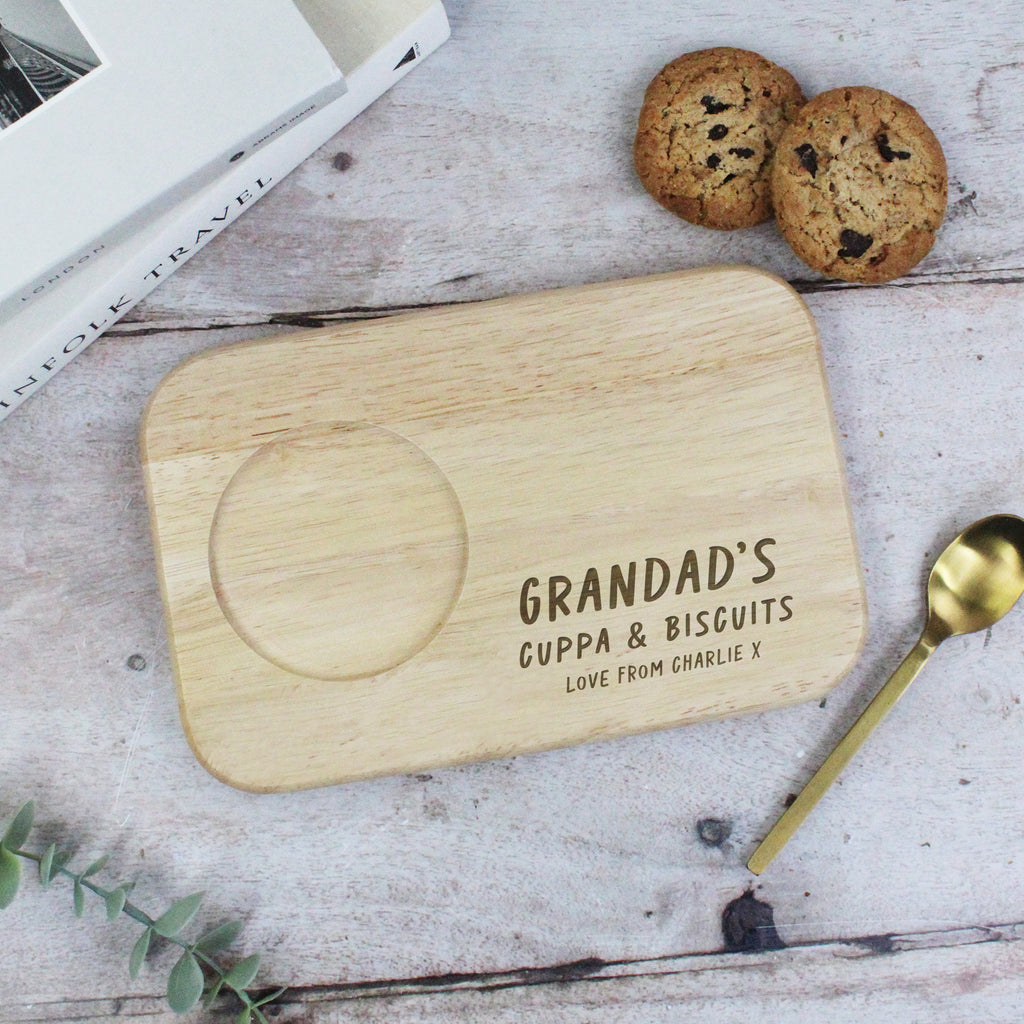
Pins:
x,y
501,527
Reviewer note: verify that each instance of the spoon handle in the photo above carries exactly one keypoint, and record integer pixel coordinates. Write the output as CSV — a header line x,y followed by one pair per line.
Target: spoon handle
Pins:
x,y
813,791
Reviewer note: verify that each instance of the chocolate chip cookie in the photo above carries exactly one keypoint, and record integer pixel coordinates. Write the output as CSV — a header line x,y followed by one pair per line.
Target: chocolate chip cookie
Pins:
x,y
859,185
707,131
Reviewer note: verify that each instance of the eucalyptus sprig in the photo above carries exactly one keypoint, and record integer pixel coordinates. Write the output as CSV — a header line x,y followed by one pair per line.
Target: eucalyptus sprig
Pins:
x,y
196,975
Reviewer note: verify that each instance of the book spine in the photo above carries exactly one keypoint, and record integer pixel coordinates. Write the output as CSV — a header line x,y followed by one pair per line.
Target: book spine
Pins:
x,y
201,219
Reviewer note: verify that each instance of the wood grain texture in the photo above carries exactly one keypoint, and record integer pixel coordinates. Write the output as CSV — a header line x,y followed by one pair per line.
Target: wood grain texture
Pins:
x,y
536,189
567,516
502,167
966,974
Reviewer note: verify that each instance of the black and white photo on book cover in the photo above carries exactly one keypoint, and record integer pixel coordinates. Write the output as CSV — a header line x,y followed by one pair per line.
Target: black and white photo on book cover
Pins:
x,y
43,50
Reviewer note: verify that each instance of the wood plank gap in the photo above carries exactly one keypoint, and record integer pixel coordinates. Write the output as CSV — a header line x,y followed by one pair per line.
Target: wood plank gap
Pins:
x,y
100,1008
594,969
297,999
129,328
315,318
1009,276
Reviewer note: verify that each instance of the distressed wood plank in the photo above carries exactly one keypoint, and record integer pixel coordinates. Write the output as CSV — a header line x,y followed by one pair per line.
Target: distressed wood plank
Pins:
x,y
503,167
969,974
555,857
535,187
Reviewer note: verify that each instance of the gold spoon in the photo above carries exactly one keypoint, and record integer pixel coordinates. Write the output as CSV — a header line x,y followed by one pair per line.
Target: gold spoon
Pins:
x,y
972,585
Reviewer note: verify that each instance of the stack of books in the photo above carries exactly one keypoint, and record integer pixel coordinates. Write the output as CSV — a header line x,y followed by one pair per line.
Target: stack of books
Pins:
x,y
132,136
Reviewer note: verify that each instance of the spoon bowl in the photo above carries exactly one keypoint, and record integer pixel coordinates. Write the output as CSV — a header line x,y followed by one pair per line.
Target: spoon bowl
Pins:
x,y
973,584
978,578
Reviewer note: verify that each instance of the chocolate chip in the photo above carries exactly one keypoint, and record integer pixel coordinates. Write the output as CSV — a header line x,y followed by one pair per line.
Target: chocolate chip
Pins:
x,y
808,158
887,153
854,244
718,132
714,160
742,151
728,178
713,106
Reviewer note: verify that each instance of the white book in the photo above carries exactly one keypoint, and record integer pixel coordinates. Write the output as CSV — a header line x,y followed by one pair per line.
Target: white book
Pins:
x,y
111,111
378,43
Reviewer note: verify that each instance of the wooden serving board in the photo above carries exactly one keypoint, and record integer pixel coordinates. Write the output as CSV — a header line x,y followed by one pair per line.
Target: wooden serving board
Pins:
x,y
501,527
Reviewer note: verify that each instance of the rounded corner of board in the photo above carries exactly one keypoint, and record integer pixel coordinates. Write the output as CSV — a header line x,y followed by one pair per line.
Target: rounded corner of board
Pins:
x,y
855,650
236,780
218,766
761,274
862,631
737,279
152,411
773,282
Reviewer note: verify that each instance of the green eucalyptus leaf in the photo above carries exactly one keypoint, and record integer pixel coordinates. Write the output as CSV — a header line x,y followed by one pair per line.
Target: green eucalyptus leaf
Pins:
x,y
211,996
139,952
179,916
115,903
270,998
18,830
10,877
96,866
79,898
61,859
185,985
241,975
46,865
219,938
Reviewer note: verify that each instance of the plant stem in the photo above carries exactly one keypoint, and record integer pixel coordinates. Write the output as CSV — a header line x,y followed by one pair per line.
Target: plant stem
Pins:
x,y
141,917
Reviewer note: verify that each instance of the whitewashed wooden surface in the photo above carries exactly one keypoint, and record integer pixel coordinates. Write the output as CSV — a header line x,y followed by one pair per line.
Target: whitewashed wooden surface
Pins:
x,y
575,885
